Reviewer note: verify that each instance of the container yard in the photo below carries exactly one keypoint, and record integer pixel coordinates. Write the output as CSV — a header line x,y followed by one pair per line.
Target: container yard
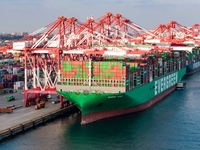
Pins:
x,y
10,77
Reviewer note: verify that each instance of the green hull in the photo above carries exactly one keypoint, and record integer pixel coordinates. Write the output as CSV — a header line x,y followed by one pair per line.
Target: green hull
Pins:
x,y
90,103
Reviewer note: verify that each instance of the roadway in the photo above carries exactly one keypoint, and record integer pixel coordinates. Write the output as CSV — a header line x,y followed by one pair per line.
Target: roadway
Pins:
x,y
22,114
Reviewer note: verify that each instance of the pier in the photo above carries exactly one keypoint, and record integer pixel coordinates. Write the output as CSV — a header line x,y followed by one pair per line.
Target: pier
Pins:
x,y
23,118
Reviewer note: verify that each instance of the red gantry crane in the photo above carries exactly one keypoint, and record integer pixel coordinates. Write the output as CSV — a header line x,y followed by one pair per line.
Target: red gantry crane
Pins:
x,y
104,34
172,32
69,39
42,51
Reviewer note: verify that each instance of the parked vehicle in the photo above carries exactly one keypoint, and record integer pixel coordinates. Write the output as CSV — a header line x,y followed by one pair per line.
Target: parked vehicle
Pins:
x,y
40,104
10,98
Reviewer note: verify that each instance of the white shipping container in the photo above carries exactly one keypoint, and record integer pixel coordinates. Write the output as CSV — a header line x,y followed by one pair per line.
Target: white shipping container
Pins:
x,y
189,42
22,45
21,59
18,87
114,53
152,41
182,48
53,43
19,83
134,55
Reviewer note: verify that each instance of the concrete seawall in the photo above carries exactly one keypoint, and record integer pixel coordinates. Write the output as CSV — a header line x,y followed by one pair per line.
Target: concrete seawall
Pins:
x,y
24,125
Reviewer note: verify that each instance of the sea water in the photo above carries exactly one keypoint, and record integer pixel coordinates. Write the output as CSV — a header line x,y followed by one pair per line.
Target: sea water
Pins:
x,y
171,124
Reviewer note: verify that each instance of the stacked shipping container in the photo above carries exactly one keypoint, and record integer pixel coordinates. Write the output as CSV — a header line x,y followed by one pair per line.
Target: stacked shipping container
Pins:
x,y
101,73
120,72
10,75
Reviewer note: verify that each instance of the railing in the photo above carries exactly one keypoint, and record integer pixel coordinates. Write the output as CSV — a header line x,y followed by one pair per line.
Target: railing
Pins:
x,y
94,82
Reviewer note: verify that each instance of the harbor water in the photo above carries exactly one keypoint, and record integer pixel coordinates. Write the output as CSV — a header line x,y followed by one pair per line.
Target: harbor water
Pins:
x,y
171,124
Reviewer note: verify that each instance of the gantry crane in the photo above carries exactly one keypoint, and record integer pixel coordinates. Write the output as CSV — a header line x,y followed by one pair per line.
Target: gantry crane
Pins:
x,y
69,39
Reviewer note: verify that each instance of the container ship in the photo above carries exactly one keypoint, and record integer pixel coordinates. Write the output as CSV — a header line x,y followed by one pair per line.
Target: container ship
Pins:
x,y
192,61
192,58
110,85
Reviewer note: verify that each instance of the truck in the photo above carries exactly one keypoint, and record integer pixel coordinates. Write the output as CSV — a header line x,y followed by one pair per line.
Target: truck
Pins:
x,y
40,102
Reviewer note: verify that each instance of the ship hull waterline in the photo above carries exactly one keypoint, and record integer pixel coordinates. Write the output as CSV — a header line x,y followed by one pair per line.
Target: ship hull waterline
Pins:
x,y
192,71
89,118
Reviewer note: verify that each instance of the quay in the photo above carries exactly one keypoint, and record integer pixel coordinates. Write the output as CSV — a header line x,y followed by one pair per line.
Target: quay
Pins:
x,y
23,118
